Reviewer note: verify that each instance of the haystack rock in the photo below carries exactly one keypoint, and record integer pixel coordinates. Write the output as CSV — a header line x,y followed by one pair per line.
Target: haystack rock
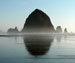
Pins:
x,y
38,21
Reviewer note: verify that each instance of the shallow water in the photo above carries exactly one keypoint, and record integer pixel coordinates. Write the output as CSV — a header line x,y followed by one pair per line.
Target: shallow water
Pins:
x,y
37,49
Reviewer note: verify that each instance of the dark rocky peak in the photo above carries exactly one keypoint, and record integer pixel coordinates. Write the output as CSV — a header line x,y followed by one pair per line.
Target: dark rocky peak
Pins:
x,y
38,21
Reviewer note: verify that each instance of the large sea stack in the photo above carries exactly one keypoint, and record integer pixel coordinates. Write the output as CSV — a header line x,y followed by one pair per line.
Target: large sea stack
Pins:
x,y
38,21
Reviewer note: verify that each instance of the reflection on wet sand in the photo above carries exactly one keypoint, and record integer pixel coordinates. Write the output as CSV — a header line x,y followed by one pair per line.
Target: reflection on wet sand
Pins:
x,y
38,45
58,38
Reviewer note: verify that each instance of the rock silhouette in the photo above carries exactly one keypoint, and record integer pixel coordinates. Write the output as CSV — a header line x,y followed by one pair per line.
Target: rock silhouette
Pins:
x,y
11,30
65,30
37,45
38,21
58,29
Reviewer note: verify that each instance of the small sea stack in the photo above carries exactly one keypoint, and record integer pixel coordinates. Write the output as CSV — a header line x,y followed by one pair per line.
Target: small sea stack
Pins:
x,y
13,30
59,29
65,30
38,22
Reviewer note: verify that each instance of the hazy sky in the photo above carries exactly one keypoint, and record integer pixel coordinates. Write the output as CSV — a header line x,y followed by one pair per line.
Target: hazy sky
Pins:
x,y
14,12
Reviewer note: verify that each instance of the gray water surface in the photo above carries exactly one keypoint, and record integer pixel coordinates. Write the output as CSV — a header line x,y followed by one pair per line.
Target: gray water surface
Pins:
x,y
37,49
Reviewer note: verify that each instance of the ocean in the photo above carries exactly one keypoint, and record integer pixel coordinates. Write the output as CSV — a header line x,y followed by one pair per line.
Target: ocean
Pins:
x,y
37,48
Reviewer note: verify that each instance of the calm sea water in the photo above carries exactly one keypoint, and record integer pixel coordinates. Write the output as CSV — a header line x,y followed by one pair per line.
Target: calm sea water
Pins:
x,y
37,49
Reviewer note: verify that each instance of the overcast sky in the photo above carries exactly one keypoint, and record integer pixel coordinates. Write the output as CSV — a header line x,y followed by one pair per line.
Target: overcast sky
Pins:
x,y
14,12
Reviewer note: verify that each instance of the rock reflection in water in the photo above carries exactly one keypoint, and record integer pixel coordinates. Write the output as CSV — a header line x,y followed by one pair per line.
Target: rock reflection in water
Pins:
x,y
58,38
38,45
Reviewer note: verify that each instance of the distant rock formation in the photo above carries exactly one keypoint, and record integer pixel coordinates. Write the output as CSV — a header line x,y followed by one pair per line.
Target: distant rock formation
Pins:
x,y
58,29
65,30
38,21
11,30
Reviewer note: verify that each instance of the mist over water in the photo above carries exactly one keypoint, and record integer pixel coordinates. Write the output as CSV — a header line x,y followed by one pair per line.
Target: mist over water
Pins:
x,y
39,31
42,48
